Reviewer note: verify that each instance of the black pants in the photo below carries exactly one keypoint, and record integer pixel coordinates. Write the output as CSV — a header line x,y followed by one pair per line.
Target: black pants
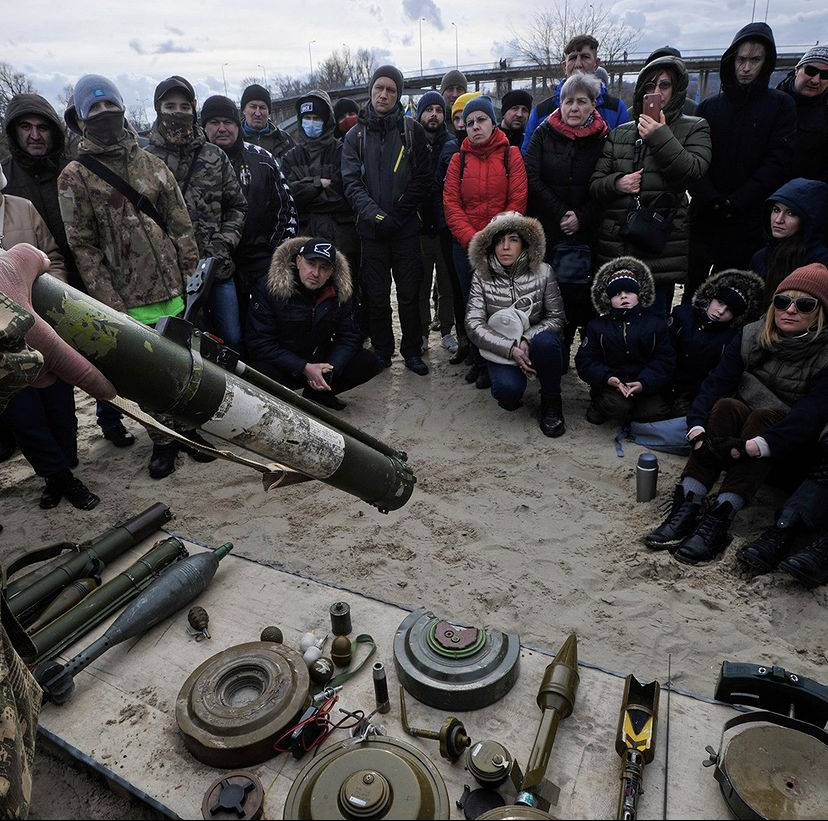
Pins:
x,y
400,258
363,366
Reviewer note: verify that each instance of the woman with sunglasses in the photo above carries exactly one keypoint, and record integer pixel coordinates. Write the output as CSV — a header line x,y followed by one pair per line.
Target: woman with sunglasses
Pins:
x,y
649,158
762,407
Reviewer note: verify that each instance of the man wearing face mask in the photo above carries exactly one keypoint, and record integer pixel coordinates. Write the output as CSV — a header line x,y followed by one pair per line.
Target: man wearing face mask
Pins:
x,y
211,192
133,257
313,171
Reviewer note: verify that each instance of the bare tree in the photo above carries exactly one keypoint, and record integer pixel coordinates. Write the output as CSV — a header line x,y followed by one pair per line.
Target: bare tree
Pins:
x,y
67,96
12,82
363,67
333,72
137,115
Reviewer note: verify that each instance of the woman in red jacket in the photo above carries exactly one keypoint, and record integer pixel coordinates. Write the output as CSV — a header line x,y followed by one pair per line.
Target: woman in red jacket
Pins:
x,y
485,178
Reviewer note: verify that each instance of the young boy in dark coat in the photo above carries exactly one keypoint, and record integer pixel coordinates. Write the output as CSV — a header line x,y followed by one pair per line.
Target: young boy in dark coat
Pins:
x,y
626,356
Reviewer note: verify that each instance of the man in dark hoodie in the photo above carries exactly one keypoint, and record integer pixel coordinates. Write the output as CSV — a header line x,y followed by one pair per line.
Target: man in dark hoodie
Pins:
x,y
386,171
271,211
257,126
752,129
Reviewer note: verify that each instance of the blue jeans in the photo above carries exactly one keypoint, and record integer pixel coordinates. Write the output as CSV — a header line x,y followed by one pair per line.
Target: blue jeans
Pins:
x,y
509,381
223,315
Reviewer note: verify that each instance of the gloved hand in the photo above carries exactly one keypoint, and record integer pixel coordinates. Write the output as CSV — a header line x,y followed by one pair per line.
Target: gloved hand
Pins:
x,y
386,228
725,446
19,268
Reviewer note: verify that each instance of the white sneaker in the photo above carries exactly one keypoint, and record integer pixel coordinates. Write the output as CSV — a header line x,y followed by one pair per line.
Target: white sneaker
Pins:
x,y
424,346
449,342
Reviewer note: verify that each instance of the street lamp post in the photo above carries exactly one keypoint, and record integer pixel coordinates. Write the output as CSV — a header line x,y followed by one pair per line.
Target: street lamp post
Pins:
x,y
310,56
264,74
420,21
224,78
456,47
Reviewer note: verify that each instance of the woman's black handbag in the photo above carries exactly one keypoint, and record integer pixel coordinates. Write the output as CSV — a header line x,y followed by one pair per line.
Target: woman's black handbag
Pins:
x,y
649,226
572,263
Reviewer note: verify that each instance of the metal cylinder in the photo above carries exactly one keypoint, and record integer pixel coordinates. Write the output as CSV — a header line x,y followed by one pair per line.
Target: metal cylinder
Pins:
x,y
340,618
646,477
381,687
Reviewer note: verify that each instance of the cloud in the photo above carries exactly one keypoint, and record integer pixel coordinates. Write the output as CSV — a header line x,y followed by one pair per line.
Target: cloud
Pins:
x,y
169,47
375,12
136,47
415,9
634,19
173,30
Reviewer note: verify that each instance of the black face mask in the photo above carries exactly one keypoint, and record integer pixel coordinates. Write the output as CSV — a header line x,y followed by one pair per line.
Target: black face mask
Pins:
x,y
106,128
177,128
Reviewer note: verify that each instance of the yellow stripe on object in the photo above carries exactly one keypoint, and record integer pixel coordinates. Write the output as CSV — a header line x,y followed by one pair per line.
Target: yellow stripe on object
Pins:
x,y
399,159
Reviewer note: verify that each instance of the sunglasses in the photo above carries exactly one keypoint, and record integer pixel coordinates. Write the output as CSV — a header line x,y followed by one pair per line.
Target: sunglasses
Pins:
x,y
664,85
812,71
804,304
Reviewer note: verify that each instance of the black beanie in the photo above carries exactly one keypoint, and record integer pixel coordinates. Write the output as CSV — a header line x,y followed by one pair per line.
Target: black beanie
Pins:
x,y
428,99
312,104
622,281
218,106
256,92
391,72
343,106
517,97
173,83
733,298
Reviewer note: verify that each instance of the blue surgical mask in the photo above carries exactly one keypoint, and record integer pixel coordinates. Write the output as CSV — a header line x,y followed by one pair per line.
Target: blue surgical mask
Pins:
x,y
313,128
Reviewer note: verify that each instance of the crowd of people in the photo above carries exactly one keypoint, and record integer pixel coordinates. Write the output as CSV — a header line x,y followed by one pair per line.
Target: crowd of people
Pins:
x,y
510,230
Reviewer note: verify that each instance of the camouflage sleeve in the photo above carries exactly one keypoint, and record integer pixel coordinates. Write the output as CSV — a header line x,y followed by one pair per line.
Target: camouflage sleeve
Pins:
x,y
179,225
286,216
80,221
20,364
233,212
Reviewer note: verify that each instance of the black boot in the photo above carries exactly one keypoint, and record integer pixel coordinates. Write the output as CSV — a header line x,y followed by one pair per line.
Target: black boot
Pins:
x,y
462,351
550,415
472,373
809,566
679,524
162,461
55,488
709,538
197,455
765,553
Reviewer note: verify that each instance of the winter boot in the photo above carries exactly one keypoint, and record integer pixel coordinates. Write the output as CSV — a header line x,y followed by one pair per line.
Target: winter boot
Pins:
x,y
462,351
710,537
809,566
550,415
765,553
679,524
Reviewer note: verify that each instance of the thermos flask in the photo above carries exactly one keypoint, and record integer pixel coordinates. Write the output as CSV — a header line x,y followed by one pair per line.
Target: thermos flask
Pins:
x,y
646,477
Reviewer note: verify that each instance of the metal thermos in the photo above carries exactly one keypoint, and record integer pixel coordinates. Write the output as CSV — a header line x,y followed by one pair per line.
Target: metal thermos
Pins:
x,y
646,477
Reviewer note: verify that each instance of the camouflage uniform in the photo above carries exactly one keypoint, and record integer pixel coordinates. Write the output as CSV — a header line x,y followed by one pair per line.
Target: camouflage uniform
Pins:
x,y
124,258
212,194
20,694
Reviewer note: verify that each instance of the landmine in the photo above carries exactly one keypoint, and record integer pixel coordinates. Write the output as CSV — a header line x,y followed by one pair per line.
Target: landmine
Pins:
x,y
122,715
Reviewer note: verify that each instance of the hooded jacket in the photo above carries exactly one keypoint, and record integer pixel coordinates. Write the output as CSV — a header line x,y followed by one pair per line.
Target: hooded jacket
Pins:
x,y
673,157
123,256
808,199
211,192
753,129
493,287
700,343
35,178
810,158
322,211
289,326
22,223
272,138
633,343
486,187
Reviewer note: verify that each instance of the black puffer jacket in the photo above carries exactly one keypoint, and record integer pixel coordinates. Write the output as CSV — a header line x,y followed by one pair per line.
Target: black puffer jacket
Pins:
x,y
753,130
700,343
632,344
811,146
289,326
674,157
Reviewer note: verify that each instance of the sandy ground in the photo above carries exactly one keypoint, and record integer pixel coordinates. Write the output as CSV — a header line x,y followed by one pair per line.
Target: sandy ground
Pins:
x,y
505,528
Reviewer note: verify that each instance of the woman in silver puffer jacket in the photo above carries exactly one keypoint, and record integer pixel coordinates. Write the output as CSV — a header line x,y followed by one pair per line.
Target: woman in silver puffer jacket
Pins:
x,y
508,268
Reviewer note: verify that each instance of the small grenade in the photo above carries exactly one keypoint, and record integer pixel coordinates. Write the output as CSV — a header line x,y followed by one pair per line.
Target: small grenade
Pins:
x,y
271,633
341,651
198,619
321,671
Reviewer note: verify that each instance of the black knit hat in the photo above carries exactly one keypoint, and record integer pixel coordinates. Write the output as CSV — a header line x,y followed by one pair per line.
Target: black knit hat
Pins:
x,y
312,104
256,92
733,298
622,281
428,99
516,97
393,73
174,83
218,106
343,106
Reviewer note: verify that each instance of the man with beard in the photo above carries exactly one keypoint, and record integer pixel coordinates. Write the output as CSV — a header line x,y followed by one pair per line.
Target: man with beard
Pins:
x,y
515,108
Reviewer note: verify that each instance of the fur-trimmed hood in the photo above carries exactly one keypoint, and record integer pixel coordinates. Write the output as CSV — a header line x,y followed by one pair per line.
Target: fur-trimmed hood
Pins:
x,y
748,283
282,278
530,230
641,273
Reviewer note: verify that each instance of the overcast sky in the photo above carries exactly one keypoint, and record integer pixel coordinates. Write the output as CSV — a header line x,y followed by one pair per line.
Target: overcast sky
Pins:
x,y
139,43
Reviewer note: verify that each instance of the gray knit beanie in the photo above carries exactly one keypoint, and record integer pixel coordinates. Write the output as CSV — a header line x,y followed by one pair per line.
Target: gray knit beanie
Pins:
x,y
92,88
813,55
454,78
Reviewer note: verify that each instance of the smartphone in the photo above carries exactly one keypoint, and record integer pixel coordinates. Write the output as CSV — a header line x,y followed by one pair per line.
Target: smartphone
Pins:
x,y
652,106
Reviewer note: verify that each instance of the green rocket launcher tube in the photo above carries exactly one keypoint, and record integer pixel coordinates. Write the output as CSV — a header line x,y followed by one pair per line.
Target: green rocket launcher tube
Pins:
x,y
88,560
105,600
164,377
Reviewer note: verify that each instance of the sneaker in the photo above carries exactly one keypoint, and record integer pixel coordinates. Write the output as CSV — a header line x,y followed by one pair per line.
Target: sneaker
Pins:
x,y
416,364
765,553
197,455
679,524
594,416
119,436
710,537
79,495
162,461
449,343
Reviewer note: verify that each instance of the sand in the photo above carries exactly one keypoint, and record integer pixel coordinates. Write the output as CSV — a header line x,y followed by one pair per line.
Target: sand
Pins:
x,y
505,528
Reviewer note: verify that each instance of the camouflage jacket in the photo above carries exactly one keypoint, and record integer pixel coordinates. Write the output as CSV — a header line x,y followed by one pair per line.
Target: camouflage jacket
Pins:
x,y
211,192
20,695
123,256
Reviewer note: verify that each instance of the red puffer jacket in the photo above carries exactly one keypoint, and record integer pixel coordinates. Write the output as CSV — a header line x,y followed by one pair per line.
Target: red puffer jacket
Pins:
x,y
486,188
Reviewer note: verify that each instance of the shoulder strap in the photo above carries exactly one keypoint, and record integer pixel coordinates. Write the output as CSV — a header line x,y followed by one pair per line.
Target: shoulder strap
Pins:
x,y
505,161
123,187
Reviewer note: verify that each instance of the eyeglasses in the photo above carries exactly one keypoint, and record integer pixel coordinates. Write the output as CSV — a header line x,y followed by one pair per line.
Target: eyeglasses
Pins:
x,y
804,304
663,85
812,71
478,121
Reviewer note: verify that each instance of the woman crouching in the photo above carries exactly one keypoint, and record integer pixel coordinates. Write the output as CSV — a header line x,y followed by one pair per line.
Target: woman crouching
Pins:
x,y
507,258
